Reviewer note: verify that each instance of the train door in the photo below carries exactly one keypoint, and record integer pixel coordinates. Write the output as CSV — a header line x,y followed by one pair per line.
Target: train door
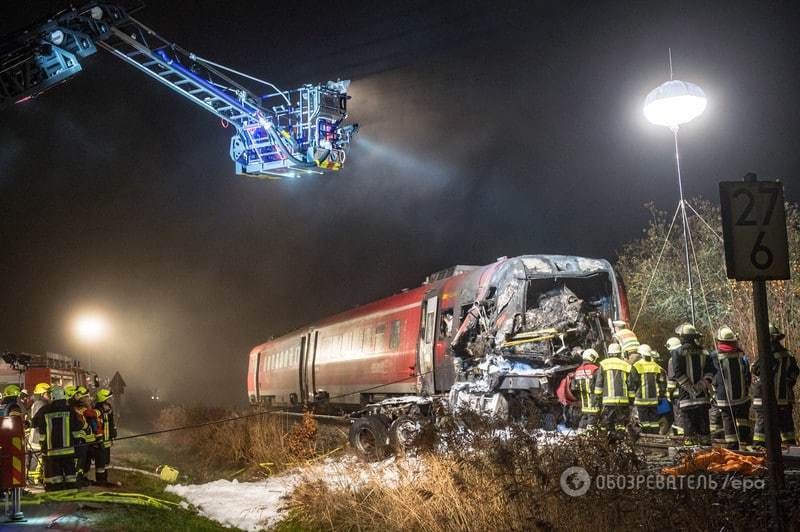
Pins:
x,y
308,353
256,376
427,344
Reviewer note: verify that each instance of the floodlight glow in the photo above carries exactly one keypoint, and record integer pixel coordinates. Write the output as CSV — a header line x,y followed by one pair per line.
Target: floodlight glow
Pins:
x,y
91,327
674,103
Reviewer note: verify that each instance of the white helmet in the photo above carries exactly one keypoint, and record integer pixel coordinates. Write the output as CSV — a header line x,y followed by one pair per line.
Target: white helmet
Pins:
x,y
614,350
590,355
645,350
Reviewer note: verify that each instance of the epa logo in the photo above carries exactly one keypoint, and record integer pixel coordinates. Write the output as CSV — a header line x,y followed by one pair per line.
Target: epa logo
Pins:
x,y
575,481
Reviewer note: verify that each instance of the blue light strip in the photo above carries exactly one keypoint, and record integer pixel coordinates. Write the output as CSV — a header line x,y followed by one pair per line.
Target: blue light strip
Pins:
x,y
243,107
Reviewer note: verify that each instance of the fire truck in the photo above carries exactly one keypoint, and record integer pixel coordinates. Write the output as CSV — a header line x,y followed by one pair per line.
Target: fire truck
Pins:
x,y
29,369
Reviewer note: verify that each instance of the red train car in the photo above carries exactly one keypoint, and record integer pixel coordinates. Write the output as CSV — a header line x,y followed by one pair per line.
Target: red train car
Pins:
x,y
401,345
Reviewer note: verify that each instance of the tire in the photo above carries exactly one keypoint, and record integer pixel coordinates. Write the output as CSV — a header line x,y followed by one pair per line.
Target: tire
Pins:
x,y
549,421
402,434
369,437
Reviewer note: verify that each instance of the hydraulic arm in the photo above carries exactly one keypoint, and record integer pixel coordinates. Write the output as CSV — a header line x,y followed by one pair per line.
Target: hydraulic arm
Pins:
x,y
278,134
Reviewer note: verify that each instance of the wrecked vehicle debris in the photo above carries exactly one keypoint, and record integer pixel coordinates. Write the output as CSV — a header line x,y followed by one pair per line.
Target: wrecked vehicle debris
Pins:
x,y
522,334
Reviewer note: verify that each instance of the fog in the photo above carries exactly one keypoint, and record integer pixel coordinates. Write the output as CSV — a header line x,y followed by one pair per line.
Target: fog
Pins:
x,y
486,130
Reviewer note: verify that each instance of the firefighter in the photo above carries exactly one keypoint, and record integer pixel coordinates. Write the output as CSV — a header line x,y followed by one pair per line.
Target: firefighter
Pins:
x,y
582,386
693,372
106,416
55,422
627,341
732,388
785,371
648,382
41,396
84,434
11,403
672,387
611,384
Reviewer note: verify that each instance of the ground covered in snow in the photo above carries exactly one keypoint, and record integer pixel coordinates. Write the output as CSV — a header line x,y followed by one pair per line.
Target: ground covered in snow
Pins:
x,y
257,505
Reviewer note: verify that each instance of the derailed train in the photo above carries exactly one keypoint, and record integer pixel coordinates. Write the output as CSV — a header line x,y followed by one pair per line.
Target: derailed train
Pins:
x,y
491,338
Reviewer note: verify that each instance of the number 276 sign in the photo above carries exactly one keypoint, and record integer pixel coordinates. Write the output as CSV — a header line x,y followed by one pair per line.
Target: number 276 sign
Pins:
x,y
754,228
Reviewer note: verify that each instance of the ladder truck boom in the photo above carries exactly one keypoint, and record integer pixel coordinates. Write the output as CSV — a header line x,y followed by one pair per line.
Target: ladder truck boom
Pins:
x,y
278,134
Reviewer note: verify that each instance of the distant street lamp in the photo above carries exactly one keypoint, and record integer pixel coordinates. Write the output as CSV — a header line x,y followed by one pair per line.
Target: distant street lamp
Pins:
x,y
672,104
91,329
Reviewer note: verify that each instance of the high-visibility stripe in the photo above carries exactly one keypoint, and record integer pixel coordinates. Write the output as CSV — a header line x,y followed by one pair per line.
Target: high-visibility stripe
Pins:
x,y
60,452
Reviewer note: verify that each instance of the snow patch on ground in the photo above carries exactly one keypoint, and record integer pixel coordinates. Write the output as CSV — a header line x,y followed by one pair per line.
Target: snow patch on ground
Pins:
x,y
254,506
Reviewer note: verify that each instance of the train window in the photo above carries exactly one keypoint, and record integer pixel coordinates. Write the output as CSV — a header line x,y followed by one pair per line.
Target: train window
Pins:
x,y
358,341
380,331
446,325
429,328
394,337
347,343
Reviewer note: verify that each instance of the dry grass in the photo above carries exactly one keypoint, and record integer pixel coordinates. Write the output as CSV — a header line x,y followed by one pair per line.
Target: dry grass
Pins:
x,y
260,444
492,482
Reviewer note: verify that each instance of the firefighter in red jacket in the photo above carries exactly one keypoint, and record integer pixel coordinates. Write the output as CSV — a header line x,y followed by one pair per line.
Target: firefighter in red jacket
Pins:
x,y
56,423
106,416
732,388
85,438
583,387
785,371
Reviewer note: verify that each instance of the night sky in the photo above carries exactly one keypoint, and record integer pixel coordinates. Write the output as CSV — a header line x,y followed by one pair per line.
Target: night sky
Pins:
x,y
487,129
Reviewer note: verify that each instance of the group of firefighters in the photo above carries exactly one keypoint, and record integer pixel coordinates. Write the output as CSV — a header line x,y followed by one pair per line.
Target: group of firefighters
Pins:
x,y
699,395
67,429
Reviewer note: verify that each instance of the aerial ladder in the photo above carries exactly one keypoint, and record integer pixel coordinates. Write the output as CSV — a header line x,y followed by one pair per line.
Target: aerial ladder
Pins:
x,y
280,134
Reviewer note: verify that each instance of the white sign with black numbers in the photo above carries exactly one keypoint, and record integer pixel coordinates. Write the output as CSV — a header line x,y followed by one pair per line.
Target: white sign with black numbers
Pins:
x,y
754,229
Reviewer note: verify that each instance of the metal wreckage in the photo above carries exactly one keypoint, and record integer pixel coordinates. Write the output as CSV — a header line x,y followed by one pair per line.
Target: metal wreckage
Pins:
x,y
522,335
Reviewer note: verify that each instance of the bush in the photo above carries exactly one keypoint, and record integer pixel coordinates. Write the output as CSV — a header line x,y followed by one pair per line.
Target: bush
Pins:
x,y
500,477
273,440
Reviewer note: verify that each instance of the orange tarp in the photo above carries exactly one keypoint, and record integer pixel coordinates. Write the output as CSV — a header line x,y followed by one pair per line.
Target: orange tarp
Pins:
x,y
718,461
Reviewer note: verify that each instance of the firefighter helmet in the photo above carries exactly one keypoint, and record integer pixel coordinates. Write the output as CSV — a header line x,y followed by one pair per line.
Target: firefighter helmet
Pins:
x,y
590,355
12,390
645,350
775,333
102,395
725,334
686,329
41,388
614,350
57,393
69,391
672,343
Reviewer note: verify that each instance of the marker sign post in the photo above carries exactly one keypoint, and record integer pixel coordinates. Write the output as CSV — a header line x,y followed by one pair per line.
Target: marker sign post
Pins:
x,y
757,250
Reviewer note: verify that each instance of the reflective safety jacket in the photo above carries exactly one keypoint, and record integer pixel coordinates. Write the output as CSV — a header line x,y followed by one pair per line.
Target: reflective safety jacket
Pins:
x,y
732,378
55,422
785,371
611,381
582,386
106,415
648,381
83,431
691,365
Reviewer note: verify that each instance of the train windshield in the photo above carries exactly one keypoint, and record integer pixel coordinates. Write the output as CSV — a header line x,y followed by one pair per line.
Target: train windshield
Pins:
x,y
550,301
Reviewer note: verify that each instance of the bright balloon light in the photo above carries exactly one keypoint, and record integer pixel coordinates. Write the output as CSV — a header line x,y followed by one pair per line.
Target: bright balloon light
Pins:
x,y
674,103
91,327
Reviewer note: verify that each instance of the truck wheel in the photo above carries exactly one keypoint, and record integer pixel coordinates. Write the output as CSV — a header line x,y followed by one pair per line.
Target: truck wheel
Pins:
x,y
368,436
402,434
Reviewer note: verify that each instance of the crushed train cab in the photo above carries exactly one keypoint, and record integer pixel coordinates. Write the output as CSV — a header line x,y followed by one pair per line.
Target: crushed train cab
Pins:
x,y
535,309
